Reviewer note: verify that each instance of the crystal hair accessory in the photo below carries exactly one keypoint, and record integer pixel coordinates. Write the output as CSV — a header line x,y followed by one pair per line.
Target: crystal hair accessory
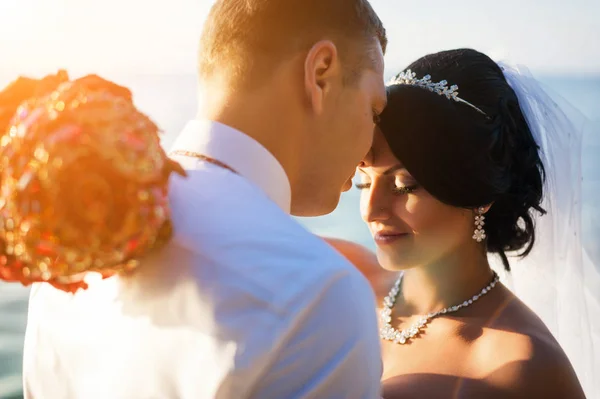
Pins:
x,y
409,78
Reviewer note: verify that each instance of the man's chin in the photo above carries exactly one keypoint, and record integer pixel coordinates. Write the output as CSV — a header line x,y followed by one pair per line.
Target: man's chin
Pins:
x,y
317,207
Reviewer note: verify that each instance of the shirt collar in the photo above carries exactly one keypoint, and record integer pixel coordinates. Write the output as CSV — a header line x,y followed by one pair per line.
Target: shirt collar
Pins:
x,y
240,152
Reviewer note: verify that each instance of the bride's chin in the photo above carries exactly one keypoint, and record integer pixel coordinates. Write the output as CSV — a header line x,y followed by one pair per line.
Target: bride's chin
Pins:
x,y
393,262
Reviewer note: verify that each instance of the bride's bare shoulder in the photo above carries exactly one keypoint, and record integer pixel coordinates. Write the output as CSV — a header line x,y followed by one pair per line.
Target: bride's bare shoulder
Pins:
x,y
530,362
503,351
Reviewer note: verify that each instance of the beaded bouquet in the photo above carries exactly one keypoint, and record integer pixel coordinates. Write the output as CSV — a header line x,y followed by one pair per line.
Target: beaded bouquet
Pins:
x,y
83,181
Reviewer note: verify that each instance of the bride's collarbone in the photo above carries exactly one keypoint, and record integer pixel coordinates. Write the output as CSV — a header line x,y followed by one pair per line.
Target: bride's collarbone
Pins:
x,y
476,356
489,335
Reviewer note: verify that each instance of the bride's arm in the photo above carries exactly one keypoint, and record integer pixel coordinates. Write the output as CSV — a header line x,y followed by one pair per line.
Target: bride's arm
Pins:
x,y
366,262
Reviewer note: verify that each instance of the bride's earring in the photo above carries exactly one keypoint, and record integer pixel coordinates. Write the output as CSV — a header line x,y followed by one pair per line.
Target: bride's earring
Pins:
x,y
479,234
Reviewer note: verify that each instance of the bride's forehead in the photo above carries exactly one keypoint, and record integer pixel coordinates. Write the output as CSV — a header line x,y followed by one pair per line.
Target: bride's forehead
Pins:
x,y
380,153
380,162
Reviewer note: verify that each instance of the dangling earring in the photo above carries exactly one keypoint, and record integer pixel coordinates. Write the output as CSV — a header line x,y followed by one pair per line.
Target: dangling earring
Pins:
x,y
479,234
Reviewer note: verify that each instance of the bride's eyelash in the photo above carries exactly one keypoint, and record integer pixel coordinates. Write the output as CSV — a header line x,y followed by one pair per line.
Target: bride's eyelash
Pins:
x,y
405,189
397,190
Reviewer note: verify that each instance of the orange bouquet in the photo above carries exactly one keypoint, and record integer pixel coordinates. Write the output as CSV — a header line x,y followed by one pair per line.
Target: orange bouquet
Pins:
x,y
83,181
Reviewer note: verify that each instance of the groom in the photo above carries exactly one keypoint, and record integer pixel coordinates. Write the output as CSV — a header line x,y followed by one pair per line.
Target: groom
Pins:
x,y
243,302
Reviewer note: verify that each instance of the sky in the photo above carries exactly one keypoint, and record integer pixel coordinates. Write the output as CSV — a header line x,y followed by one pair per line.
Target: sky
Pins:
x,y
158,36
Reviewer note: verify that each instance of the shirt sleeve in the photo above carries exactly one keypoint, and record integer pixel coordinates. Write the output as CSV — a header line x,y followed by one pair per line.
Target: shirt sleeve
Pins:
x,y
332,349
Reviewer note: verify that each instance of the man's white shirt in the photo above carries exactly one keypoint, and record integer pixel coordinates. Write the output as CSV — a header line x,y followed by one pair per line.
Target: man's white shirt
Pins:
x,y
242,303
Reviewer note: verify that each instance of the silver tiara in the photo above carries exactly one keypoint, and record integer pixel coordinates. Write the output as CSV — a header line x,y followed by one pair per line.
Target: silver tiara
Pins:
x,y
408,77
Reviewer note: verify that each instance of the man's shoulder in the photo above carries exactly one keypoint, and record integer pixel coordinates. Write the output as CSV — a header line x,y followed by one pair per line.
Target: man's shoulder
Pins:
x,y
214,200
283,273
232,222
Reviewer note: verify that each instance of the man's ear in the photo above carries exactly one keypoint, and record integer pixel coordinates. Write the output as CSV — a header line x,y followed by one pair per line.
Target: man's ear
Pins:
x,y
322,67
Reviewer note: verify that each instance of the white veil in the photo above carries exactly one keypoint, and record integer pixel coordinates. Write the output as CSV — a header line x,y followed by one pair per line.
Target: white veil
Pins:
x,y
558,280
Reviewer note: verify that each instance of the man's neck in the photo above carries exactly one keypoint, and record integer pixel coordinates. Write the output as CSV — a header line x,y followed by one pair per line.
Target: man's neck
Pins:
x,y
259,118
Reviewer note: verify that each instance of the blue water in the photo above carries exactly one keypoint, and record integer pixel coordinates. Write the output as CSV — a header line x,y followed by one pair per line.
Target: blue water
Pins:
x,y
171,101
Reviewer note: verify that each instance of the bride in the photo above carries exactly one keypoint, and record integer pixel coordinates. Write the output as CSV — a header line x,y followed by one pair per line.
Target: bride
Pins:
x,y
460,172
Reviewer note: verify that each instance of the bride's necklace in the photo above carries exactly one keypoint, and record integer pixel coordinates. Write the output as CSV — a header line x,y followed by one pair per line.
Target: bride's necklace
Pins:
x,y
389,333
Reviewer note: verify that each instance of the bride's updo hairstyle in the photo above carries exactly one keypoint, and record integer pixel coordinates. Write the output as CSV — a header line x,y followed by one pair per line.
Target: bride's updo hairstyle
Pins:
x,y
464,158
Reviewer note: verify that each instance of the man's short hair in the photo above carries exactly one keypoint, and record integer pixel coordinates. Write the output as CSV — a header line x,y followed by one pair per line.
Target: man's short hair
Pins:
x,y
246,38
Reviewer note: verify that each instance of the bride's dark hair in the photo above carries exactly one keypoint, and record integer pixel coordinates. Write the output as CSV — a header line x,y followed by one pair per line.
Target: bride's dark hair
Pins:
x,y
464,158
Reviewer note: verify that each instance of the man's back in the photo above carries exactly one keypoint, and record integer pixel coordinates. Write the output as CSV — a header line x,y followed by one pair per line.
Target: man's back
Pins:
x,y
243,302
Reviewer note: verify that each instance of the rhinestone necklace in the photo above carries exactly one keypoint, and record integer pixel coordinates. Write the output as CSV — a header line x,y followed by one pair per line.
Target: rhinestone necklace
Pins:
x,y
389,333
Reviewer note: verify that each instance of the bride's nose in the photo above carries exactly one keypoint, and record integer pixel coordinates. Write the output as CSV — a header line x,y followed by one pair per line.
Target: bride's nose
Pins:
x,y
376,203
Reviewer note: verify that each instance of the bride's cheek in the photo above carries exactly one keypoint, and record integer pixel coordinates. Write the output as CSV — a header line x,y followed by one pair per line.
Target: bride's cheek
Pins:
x,y
406,208
364,205
416,213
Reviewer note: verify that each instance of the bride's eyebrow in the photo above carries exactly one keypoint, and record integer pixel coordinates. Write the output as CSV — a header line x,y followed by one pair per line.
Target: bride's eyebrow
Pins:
x,y
394,169
389,171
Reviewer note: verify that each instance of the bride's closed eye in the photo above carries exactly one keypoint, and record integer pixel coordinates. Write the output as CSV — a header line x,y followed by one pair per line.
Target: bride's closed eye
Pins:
x,y
405,189
396,189
405,185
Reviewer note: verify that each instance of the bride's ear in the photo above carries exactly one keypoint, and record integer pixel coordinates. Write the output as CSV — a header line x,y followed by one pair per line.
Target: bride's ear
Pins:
x,y
322,67
485,208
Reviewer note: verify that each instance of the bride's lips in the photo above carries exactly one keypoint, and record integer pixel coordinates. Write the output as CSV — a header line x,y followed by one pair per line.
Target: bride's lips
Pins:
x,y
388,237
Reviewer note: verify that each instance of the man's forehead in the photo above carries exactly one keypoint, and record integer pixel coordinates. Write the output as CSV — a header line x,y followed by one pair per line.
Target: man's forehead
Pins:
x,y
376,58
377,62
